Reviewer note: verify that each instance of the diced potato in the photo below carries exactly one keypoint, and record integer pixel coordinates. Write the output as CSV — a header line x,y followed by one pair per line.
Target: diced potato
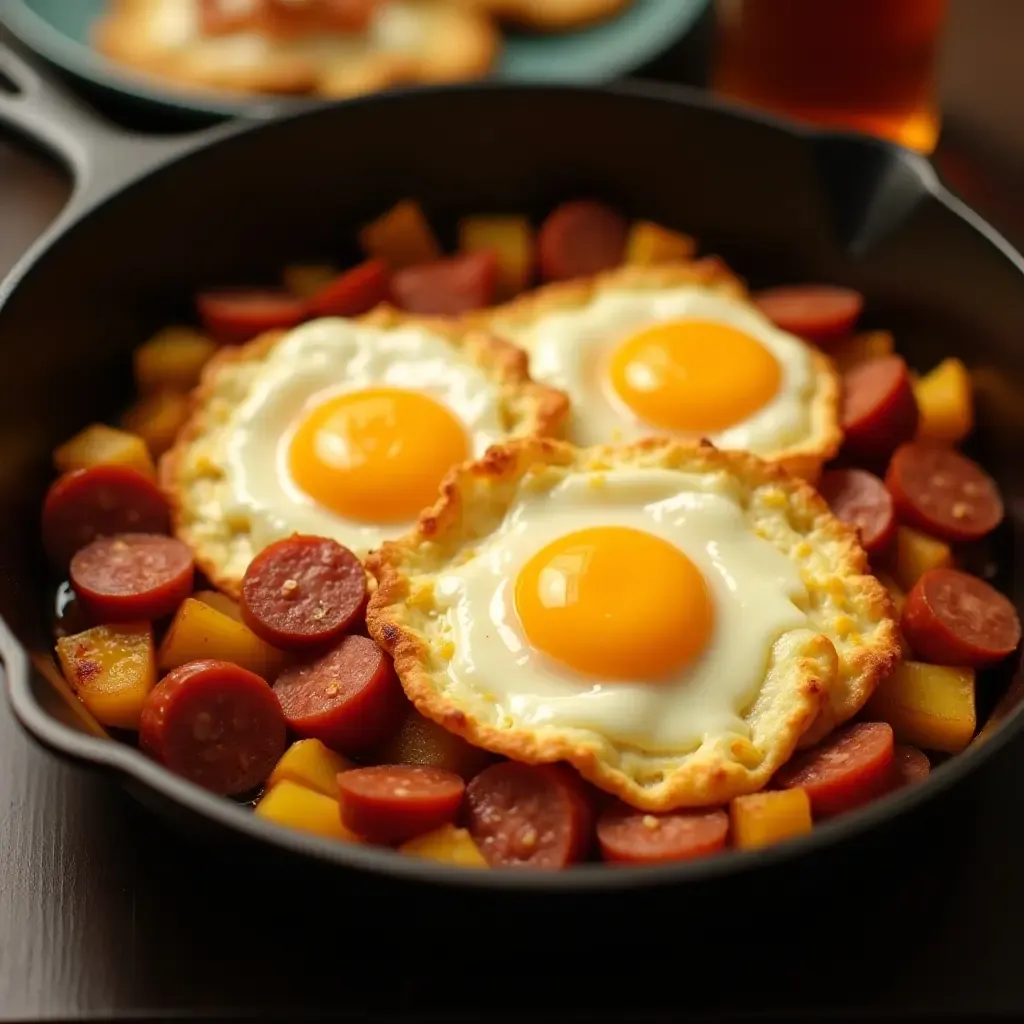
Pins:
x,y
447,844
172,360
200,631
311,764
111,669
512,239
46,666
401,237
421,741
223,603
650,244
100,445
158,418
306,279
896,592
289,804
858,348
946,403
928,706
915,553
761,819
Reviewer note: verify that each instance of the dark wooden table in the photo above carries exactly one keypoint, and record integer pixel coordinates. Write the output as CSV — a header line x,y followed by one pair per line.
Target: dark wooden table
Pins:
x,y
104,914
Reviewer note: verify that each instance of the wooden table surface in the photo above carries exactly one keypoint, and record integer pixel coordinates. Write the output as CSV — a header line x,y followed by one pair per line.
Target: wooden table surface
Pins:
x,y
104,914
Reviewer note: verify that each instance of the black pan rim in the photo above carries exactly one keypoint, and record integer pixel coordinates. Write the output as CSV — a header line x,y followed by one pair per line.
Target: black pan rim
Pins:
x,y
130,766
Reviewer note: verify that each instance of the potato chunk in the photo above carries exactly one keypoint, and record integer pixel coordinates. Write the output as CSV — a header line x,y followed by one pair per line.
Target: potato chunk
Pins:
x,y
172,360
311,764
100,445
649,244
223,603
305,279
158,418
859,348
293,806
915,553
761,819
447,844
111,669
928,706
421,741
945,401
512,239
401,237
200,631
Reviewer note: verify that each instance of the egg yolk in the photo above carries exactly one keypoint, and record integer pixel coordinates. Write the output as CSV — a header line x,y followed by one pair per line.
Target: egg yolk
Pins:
x,y
376,455
616,603
693,375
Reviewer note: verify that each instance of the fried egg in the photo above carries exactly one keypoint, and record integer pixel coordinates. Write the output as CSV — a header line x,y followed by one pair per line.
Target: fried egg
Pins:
x,y
677,351
340,428
670,618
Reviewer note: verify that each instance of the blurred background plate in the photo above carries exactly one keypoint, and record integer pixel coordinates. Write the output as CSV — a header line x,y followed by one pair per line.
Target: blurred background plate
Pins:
x,y
647,37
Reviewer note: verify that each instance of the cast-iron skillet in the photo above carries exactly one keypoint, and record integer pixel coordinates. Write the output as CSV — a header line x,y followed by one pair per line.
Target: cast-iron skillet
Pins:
x,y
150,221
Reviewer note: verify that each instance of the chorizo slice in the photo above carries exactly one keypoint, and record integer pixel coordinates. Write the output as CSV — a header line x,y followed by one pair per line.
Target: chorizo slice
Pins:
x,y
816,312
239,314
879,410
447,287
581,238
860,498
354,291
629,836
909,766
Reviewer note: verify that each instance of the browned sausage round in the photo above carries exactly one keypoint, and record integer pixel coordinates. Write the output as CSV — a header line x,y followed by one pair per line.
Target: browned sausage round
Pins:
x,y
448,287
581,238
909,766
99,502
629,836
132,577
529,816
303,592
216,724
353,291
813,311
393,803
349,698
861,499
943,492
953,618
239,314
879,407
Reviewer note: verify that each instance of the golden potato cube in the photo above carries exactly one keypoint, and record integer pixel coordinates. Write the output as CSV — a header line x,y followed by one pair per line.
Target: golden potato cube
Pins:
x,y
421,741
401,237
928,706
305,279
111,669
100,445
761,819
293,806
172,360
915,553
945,401
447,844
311,764
158,418
200,631
224,604
649,244
512,239
859,348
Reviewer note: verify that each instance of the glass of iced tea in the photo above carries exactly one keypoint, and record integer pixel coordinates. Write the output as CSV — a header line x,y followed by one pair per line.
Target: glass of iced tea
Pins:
x,y
868,65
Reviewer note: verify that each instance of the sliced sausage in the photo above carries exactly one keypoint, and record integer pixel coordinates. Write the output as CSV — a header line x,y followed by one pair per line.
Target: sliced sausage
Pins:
x,y
581,238
303,592
879,408
629,836
851,767
943,492
861,499
132,577
813,311
953,618
349,698
288,18
215,724
529,816
98,502
239,314
354,291
393,803
448,287
909,765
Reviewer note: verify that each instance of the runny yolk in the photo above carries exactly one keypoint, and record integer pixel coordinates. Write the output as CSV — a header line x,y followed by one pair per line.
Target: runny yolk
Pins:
x,y
694,375
376,455
616,603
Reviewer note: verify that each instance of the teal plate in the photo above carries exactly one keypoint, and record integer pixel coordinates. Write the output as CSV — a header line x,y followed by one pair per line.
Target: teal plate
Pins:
x,y
58,30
